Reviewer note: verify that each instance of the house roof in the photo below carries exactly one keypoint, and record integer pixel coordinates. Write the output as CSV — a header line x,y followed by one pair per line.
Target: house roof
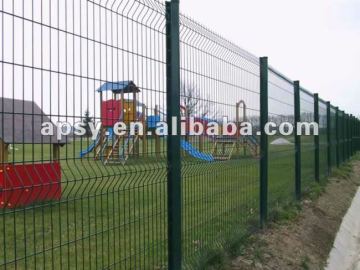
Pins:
x,y
119,87
21,122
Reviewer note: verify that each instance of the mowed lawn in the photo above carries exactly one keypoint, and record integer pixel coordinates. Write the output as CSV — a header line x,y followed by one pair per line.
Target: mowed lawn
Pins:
x,y
115,216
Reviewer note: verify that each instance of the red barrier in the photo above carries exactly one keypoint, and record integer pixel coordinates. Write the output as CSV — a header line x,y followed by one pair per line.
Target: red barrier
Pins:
x,y
22,185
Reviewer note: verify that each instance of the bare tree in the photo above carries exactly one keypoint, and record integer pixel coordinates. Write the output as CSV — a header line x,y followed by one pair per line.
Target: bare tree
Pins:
x,y
195,103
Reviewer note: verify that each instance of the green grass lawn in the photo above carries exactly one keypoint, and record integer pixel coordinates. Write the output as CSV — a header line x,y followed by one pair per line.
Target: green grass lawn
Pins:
x,y
115,217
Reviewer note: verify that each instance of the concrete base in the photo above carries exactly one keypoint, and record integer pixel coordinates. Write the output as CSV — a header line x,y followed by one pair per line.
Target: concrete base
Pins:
x,y
345,254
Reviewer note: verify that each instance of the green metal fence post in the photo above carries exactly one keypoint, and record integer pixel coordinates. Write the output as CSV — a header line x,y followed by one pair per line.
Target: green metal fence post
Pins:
x,y
328,136
354,135
358,135
347,136
297,141
173,141
343,136
341,129
264,116
316,137
337,137
350,135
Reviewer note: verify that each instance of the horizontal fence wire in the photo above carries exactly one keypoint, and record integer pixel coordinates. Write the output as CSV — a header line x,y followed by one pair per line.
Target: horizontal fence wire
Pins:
x,y
101,201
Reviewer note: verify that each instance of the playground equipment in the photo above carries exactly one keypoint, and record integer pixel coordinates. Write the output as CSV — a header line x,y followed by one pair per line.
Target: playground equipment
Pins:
x,y
185,145
24,184
109,147
230,144
224,147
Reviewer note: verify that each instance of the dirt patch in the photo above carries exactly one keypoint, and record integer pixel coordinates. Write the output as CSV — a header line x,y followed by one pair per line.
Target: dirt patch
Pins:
x,y
304,242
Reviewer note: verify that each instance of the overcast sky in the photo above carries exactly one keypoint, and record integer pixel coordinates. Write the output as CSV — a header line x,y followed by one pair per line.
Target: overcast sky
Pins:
x,y
314,41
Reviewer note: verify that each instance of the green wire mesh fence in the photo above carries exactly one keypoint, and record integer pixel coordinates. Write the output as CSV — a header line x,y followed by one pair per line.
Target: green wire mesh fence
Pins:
x,y
281,148
107,201
307,142
219,198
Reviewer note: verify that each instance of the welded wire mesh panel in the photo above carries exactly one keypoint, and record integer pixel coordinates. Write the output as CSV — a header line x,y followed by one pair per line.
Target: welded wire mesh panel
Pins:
x,y
307,142
341,136
81,202
220,174
333,139
281,147
323,143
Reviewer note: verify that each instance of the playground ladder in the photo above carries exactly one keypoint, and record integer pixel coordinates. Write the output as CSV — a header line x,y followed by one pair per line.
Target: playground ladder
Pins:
x,y
117,154
252,145
102,142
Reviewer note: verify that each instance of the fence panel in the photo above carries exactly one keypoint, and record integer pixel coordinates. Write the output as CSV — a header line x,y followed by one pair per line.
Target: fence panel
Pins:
x,y
281,148
333,136
82,60
341,136
221,177
100,201
323,141
307,142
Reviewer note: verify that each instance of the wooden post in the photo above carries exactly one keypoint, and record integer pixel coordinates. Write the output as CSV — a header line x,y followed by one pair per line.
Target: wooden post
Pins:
x,y
56,152
157,138
4,152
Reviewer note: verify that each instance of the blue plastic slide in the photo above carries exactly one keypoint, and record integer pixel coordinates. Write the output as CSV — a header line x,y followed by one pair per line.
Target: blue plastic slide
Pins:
x,y
192,151
90,148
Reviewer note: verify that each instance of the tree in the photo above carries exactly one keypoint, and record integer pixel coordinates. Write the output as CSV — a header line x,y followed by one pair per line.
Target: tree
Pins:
x,y
194,103
87,119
